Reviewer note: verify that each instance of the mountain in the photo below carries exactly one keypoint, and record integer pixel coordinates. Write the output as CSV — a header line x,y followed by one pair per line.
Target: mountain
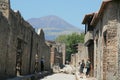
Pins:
x,y
53,26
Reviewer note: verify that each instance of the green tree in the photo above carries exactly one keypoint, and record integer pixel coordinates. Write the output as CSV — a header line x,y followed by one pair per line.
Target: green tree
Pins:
x,y
70,40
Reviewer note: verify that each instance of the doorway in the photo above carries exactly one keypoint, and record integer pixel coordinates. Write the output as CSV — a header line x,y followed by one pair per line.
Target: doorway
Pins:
x,y
19,57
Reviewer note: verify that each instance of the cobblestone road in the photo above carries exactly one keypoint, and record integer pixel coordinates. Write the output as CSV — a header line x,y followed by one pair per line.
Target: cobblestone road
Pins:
x,y
60,76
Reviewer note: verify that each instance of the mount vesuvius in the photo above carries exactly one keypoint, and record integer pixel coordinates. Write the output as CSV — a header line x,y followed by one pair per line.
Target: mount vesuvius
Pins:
x,y
53,26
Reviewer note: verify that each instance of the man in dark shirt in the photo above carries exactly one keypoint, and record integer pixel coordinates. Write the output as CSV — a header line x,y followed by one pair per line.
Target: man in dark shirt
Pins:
x,y
88,66
42,64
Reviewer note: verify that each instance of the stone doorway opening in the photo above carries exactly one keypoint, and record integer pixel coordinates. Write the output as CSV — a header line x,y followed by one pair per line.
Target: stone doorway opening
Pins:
x,y
19,57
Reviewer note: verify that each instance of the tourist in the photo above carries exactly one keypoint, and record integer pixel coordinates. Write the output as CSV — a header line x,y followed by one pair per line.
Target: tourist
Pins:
x,y
82,65
88,67
42,64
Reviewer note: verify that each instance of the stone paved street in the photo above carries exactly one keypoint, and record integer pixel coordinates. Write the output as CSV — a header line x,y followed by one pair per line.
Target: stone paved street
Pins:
x,y
60,76
83,78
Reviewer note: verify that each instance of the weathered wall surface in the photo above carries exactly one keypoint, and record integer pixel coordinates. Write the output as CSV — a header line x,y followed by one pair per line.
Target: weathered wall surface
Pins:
x,y
98,53
106,43
73,59
4,30
81,52
57,53
20,39
19,44
118,35
77,58
44,50
61,52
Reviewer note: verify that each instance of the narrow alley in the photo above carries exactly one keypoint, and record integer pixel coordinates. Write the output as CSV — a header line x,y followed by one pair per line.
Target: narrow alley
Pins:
x,y
26,54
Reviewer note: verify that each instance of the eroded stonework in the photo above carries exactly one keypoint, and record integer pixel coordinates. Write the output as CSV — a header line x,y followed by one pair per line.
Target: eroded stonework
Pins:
x,y
21,48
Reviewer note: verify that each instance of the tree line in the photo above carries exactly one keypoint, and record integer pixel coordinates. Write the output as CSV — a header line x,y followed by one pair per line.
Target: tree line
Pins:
x,y
70,40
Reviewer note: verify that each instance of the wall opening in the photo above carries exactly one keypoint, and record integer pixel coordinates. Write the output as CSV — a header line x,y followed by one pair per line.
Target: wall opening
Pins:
x,y
19,57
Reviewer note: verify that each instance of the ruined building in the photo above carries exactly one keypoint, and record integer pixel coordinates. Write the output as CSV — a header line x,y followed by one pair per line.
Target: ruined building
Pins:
x,y
58,53
89,42
21,48
105,29
76,58
81,52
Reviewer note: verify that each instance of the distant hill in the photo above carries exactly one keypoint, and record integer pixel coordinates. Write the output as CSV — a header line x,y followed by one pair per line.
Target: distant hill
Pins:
x,y
53,26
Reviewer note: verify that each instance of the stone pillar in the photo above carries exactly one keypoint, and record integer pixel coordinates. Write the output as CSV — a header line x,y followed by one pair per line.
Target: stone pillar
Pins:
x,y
95,60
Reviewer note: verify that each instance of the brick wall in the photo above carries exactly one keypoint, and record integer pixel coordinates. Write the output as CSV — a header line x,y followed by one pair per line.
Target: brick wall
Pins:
x,y
106,43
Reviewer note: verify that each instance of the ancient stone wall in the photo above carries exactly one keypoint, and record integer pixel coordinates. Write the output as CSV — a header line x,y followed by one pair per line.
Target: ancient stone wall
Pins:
x,y
21,48
118,35
20,43
46,54
58,53
97,58
81,52
45,50
111,51
61,53
73,59
106,43
4,33
35,53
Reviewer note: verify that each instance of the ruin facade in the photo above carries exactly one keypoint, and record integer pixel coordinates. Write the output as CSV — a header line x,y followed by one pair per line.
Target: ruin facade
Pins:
x,y
58,53
77,58
106,24
89,41
21,48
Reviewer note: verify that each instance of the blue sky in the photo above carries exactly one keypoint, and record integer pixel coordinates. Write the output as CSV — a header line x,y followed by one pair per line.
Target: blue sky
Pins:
x,y
72,11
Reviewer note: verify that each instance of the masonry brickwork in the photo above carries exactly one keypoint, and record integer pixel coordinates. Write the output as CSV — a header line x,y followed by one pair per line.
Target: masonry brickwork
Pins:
x,y
106,33
77,58
107,43
21,48
58,53
81,52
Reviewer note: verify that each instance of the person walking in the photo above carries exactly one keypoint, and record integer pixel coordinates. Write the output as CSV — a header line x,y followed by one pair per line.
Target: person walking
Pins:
x,y
88,67
82,65
42,64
